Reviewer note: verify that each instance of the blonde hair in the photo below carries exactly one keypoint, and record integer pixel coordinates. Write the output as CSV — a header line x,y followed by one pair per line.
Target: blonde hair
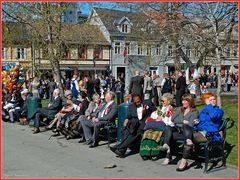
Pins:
x,y
167,96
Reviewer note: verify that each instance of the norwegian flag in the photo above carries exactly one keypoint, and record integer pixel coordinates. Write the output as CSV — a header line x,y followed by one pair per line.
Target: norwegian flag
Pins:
x,y
125,54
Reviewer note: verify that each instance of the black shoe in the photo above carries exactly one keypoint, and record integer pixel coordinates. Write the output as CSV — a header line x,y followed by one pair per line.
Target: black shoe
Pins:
x,y
55,131
87,142
120,155
56,134
93,145
68,137
113,148
144,158
155,158
81,140
182,169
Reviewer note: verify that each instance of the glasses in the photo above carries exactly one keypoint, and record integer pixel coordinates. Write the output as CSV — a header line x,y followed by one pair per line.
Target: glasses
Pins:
x,y
212,99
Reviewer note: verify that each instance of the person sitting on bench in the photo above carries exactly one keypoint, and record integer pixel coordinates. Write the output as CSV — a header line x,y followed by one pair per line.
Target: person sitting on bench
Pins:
x,y
184,119
107,114
133,126
209,119
53,108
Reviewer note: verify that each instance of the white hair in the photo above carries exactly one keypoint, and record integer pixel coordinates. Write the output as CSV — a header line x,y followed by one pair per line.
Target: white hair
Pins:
x,y
57,91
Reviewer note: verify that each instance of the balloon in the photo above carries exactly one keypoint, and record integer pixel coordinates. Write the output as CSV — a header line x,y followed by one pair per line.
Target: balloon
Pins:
x,y
7,68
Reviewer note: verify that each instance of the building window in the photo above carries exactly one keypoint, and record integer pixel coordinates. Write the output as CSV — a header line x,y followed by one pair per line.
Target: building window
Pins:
x,y
127,45
117,47
228,52
97,53
149,50
235,53
124,28
188,52
4,53
197,53
21,53
70,12
82,52
170,52
158,50
140,49
66,53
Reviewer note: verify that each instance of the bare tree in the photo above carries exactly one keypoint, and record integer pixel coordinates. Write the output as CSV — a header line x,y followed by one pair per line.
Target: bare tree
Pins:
x,y
43,22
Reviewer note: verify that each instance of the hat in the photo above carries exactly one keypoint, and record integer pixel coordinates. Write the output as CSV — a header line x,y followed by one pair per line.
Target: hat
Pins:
x,y
68,92
25,91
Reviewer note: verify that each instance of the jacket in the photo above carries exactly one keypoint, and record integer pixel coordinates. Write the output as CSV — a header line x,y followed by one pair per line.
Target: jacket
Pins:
x,y
210,118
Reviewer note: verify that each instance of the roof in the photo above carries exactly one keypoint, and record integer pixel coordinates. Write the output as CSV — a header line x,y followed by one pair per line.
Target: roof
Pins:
x,y
111,18
71,33
83,34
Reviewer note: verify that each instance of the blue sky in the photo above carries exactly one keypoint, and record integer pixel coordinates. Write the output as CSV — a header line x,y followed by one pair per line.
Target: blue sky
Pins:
x,y
85,7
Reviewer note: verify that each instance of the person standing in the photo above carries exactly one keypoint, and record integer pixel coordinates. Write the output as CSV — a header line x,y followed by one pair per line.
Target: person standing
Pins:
x,y
147,87
156,91
180,88
97,84
51,86
136,85
34,86
74,86
229,82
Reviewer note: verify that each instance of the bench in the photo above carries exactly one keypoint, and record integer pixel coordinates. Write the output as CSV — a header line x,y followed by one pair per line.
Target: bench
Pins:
x,y
212,151
109,132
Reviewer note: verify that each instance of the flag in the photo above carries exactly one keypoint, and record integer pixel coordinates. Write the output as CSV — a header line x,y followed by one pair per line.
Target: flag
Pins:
x,y
125,54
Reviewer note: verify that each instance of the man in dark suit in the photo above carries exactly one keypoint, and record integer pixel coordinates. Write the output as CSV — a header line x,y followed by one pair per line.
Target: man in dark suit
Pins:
x,y
136,85
107,114
180,89
133,126
50,111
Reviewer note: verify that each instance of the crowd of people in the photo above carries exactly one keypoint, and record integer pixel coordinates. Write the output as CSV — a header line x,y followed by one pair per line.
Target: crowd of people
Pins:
x,y
156,108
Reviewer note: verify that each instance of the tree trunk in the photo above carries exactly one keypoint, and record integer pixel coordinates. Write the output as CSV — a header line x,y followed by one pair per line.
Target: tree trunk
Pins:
x,y
219,73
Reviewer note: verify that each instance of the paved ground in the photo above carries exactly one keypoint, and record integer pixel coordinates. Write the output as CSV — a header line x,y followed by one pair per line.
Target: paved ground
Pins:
x,y
27,155
234,91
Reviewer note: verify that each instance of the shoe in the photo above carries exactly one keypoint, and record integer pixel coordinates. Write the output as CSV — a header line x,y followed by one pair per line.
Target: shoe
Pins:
x,y
47,128
155,158
165,147
144,158
82,140
93,145
37,130
87,142
166,161
113,148
120,155
55,131
68,137
56,134
182,169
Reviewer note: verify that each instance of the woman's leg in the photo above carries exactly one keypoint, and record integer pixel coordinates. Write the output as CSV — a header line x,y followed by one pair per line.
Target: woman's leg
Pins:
x,y
188,135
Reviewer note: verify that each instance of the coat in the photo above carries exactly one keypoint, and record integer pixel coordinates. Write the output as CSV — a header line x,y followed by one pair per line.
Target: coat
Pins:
x,y
136,85
110,113
56,105
134,124
210,118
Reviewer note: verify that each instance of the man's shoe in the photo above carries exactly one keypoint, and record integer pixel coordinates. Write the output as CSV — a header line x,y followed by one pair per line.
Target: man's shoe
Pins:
x,y
37,130
93,145
81,140
144,158
120,155
113,148
87,142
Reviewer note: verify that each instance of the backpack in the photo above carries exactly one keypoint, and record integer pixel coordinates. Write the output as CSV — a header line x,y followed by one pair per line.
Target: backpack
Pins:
x,y
167,87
